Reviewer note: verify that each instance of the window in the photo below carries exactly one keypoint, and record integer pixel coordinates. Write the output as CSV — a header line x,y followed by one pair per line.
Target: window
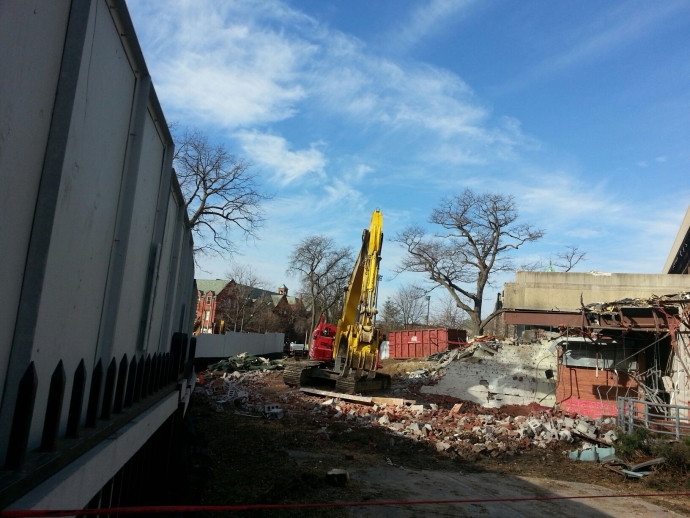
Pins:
x,y
208,315
208,299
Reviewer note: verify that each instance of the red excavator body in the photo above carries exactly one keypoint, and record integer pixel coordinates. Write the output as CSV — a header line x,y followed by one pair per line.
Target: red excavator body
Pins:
x,y
321,347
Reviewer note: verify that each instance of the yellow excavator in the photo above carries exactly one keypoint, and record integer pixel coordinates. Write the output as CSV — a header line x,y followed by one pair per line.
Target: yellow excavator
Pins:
x,y
347,355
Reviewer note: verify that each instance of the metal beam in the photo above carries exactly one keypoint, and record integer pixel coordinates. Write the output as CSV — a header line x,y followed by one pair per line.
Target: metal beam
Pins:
x,y
543,318
647,318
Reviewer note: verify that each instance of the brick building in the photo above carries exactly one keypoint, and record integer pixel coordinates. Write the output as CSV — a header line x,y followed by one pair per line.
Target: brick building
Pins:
x,y
224,305
208,291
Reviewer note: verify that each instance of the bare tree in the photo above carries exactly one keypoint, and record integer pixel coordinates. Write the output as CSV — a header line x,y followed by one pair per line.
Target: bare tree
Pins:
x,y
235,306
301,325
390,316
538,265
221,194
408,304
568,260
324,269
262,317
448,314
479,231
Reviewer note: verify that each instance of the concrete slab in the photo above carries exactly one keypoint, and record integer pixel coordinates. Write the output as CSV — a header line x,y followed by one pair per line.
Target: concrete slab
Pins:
x,y
513,376
565,291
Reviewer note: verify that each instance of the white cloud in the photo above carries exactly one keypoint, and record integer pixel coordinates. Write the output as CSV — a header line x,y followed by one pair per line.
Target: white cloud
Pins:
x,y
361,171
560,196
212,61
397,97
239,65
642,163
429,18
273,151
621,235
660,159
616,29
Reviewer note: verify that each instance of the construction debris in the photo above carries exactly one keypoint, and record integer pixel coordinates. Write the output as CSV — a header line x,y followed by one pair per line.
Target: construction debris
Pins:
x,y
636,470
465,429
453,429
589,453
493,433
364,400
246,362
494,373
235,389
442,359
654,300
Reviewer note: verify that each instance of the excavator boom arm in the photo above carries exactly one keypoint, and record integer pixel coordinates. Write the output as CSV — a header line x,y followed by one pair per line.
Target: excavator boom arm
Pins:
x,y
356,344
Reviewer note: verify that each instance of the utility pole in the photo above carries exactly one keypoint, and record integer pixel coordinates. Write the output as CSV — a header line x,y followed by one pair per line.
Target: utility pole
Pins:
x,y
428,301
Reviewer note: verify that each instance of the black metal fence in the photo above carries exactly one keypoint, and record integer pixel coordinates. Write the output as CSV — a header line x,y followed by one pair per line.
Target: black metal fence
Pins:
x,y
115,395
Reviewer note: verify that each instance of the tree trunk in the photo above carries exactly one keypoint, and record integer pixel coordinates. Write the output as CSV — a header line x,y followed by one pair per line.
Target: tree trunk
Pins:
x,y
476,324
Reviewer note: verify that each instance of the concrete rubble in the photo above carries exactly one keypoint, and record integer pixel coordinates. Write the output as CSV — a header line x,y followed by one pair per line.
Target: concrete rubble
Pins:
x,y
235,389
495,373
465,429
471,430
244,362
443,359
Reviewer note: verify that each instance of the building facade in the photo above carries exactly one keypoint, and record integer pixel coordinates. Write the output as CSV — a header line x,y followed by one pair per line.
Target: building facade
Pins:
x,y
224,305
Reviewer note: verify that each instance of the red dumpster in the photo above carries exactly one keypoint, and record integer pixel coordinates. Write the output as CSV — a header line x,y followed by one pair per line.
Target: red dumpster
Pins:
x,y
420,343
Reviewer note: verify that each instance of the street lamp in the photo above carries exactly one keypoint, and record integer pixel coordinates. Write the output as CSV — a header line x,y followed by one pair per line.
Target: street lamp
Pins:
x,y
244,306
376,299
428,300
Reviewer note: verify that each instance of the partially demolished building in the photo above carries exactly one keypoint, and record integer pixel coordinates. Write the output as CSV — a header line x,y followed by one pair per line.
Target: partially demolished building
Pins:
x,y
626,358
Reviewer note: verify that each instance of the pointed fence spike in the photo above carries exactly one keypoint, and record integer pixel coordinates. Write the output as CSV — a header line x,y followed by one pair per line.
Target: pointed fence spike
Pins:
x,y
145,378
166,371
94,395
56,394
76,400
21,423
154,374
131,380
109,391
120,387
160,373
161,370
140,379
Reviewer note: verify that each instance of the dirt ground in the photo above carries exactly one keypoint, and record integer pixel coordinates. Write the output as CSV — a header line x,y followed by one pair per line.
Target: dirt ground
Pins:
x,y
250,459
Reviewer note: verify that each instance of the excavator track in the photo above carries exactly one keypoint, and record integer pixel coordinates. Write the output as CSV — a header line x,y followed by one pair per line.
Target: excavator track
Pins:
x,y
350,385
297,374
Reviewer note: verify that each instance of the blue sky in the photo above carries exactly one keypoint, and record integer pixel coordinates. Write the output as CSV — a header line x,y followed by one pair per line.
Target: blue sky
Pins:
x,y
579,109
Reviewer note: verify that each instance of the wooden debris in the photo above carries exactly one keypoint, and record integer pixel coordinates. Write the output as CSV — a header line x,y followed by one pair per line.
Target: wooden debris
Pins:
x,y
362,400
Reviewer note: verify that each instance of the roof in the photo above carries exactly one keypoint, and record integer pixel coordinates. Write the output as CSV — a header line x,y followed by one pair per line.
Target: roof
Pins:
x,y
206,285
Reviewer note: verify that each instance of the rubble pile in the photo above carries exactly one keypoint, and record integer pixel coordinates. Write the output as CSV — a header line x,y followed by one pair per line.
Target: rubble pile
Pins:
x,y
441,360
466,429
236,389
246,362
492,433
